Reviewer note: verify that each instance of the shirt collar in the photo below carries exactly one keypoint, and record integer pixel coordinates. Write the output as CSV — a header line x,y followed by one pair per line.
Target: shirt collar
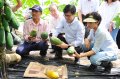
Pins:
x,y
75,19
40,22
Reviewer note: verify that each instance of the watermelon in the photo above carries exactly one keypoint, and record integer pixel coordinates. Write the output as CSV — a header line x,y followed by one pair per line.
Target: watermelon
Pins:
x,y
56,41
44,35
33,33
71,50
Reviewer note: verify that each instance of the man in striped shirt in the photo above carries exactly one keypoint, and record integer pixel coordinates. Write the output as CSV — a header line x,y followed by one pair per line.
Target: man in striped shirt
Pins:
x,y
34,43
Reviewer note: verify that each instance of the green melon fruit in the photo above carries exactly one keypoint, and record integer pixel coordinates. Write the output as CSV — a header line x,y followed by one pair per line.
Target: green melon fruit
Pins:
x,y
2,36
33,33
9,40
8,13
5,24
1,3
71,50
44,35
14,22
56,41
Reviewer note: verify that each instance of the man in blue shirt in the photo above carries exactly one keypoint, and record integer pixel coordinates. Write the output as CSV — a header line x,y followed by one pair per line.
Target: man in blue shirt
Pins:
x,y
73,29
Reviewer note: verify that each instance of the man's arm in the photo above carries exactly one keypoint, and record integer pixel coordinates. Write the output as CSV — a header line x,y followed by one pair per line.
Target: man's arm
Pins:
x,y
80,15
19,4
79,11
85,54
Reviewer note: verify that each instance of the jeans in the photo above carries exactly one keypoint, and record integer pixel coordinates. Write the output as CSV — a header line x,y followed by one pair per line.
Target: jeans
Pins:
x,y
103,56
26,47
100,56
114,34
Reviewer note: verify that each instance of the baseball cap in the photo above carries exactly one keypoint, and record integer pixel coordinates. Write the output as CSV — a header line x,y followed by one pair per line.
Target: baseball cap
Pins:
x,y
90,19
37,8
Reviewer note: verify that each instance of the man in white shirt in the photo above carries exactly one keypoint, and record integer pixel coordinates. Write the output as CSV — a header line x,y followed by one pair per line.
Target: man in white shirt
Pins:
x,y
73,29
104,49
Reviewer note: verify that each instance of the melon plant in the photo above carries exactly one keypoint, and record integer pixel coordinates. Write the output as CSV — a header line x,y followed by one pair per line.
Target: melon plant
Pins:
x,y
56,41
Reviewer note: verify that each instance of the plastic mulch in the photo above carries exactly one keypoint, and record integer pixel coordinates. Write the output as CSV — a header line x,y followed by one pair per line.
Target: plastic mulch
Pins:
x,y
75,71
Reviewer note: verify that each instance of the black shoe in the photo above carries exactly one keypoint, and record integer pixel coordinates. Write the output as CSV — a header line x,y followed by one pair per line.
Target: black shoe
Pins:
x,y
58,58
52,52
92,67
108,68
58,55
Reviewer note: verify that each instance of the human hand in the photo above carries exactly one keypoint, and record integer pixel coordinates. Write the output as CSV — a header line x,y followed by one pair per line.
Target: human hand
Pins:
x,y
77,55
63,45
87,43
32,39
111,27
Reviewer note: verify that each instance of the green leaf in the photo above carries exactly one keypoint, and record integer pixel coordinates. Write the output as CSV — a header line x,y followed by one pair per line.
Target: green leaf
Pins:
x,y
117,20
